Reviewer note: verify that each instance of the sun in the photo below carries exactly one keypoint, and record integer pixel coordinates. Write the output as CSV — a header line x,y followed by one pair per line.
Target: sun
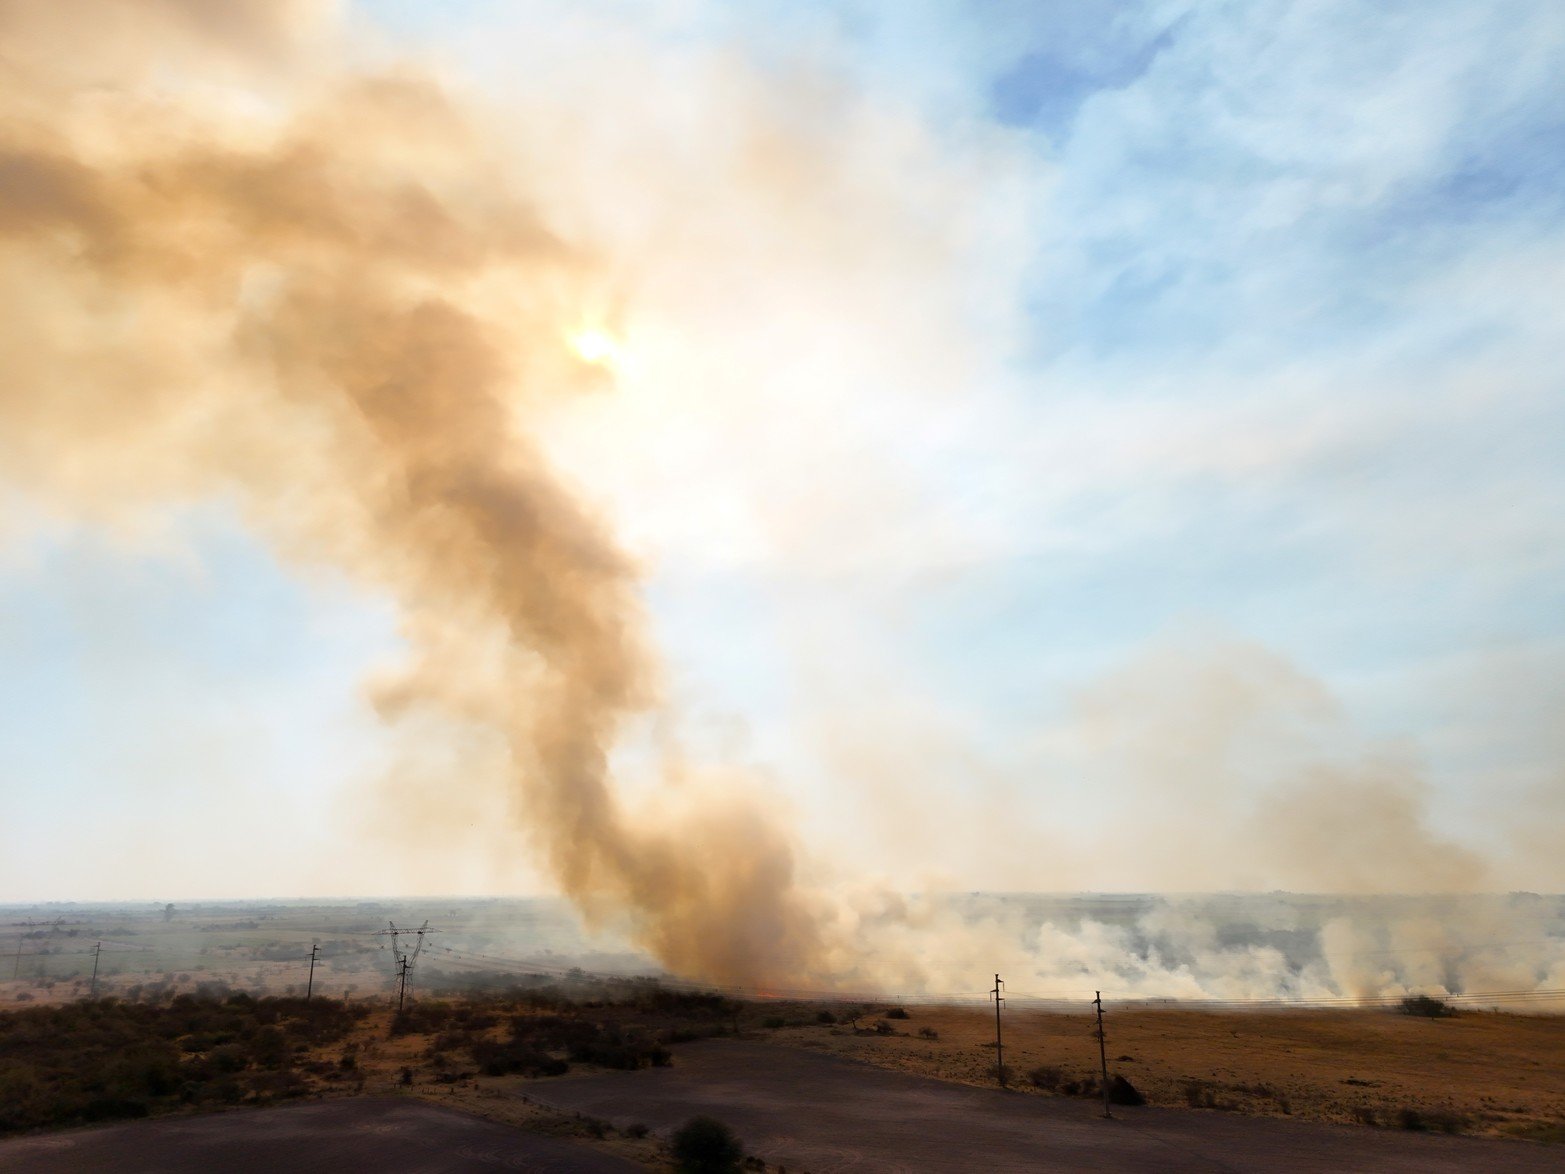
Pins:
x,y
598,347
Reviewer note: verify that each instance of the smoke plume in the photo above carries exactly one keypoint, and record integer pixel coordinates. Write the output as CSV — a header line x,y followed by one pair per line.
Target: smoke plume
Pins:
x,y
231,269
242,260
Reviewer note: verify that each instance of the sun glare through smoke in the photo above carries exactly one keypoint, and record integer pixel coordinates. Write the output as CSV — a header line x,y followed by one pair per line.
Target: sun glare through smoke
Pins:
x,y
598,347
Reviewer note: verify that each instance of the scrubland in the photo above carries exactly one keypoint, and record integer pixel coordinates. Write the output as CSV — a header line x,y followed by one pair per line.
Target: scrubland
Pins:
x,y
60,1065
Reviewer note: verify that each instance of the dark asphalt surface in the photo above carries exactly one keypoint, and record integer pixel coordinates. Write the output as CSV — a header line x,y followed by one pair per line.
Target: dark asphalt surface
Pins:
x,y
383,1135
826,1115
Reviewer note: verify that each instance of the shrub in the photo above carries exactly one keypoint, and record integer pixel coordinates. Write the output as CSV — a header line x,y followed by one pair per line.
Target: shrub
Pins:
x,y
825,1017
1122,1092
1427,1007
928,1033
501,1059
897,1013
1437,1119
270,1048
773,1022
1201,1095
704,1145
1046,1077
228,1058
637,1130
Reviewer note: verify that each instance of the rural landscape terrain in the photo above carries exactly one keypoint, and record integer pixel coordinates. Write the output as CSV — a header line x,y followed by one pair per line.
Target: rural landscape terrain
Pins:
x,y
957,586
205,1008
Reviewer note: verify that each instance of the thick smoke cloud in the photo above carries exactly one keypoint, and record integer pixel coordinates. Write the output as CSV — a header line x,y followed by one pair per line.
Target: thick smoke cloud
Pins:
x,y
326,300
236,265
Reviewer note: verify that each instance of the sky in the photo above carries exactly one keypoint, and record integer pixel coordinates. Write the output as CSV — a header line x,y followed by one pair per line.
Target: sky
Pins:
x,y
1062,446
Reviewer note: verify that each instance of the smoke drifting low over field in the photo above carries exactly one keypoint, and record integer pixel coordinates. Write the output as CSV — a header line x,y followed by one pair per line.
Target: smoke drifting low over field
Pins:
x,y
1501,952
1252,947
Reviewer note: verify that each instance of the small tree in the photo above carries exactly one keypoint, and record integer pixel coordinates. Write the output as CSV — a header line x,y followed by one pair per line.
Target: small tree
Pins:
x,y
704,1145
1427,1007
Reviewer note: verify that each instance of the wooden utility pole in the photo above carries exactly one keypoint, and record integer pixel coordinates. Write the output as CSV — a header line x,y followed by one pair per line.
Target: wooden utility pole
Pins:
x,y
999,1049
1103,1056
96,950
315,952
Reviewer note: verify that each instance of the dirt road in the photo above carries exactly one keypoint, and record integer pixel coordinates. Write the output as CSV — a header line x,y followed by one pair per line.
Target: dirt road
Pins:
x,y
826,1115
367,1134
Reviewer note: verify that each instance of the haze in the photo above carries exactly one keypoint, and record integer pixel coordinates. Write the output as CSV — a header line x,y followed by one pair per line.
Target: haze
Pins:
x,y
736,465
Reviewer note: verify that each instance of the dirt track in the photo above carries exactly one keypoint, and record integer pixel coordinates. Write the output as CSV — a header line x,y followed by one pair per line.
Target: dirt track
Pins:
x,y
369,1134
824,1114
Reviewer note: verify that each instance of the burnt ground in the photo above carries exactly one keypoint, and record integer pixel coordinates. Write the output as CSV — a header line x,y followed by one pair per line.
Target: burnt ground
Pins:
x,y
368,1134
823,1114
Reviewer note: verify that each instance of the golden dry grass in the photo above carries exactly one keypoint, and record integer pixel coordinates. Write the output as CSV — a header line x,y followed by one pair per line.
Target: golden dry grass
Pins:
x,y
1503,1073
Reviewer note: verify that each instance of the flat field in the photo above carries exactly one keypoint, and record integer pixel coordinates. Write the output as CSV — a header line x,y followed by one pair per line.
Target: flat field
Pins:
x,y
1478,1072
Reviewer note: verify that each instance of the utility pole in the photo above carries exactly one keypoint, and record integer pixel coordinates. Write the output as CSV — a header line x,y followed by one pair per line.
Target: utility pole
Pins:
x,y
96,950
999,1050
16,971
1103,1056
315,952
403,966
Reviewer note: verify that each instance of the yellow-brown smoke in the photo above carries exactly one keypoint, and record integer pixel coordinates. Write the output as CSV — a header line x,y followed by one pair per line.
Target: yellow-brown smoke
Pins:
x,y
231,267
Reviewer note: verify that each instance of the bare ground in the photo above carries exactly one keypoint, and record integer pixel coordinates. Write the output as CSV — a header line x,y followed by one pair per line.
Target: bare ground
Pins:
x,y
340,1136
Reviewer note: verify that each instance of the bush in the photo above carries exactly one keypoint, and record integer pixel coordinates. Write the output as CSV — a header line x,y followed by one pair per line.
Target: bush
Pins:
x,y
1046,1077
1122,1092
928,1033
1201,1095
105,1058
825,1017
1426,1007
704,1145
897,1013
1437,1119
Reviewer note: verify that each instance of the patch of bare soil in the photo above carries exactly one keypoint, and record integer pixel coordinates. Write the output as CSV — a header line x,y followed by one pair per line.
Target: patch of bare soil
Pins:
x,y
1478,1072
374,1062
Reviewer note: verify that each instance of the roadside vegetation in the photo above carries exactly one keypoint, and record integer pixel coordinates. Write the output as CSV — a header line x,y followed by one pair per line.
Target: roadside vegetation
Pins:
x,y
107,1059
477,1041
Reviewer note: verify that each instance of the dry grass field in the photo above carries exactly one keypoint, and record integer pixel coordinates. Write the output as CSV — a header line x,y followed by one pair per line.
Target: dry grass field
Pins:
x,y
1476,1073
1480,1073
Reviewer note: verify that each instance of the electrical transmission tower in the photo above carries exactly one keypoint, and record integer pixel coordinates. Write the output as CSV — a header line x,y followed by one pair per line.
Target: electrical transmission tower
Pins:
x,y
404,958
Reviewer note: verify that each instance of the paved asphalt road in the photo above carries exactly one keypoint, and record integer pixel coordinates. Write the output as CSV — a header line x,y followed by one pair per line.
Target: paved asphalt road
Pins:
x,y
368,1135
827,1115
